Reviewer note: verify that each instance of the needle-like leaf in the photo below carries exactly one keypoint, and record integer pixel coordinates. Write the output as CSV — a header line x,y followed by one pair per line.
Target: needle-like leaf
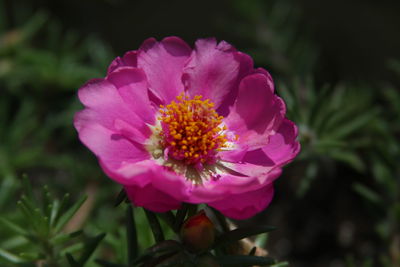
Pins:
x,y
241,233
155,226
131,235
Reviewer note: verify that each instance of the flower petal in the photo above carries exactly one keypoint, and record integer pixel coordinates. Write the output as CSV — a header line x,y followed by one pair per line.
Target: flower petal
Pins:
x,y
131,84
245,67
228,184
283,147
106,106
112,149
151,198
246,205
268,76
129,59
212,70
149,172
257,112
163,63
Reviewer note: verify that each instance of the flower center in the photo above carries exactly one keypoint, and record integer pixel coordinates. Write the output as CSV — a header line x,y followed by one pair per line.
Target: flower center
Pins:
x,y
191,130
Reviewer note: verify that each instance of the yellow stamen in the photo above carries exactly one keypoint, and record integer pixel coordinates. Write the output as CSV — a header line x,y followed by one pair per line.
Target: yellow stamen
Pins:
x,y
192,129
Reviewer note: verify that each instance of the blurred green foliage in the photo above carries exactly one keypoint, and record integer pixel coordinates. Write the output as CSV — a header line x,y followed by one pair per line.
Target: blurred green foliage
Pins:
x,y
347,125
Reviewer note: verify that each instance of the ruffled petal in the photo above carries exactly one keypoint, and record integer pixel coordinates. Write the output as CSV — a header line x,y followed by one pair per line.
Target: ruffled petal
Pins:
x,y
212,70
230,183
246,205
151,198
268,76
113,149
283,147
104,105
257,112
245,67
163,63
131,84
149,172
128,60
280,150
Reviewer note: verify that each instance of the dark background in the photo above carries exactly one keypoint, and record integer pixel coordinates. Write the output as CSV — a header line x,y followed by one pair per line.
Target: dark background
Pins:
x,y
355,39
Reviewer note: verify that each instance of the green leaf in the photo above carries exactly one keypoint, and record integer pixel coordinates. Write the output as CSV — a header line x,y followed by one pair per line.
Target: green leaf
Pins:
x,y
180,217
169,219
62,238
34,24
10,257
348,157
46,200
14,242
240,233
131,235
343,130
69,214
367,193
74,248
72,262
25,211
30,256
155,226
27,202
64,203
26,184
120,198
14,227
243,260
54,211
162,248
89,247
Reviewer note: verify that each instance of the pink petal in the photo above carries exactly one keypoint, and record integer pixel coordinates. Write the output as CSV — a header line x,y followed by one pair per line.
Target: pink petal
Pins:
x,y
257,112
212,70
132,86
112,149
246,205
235,155
129,59
151,198
282,146
250,169
245,67
149,172
230,183
268,76
258,157
105,105
163,63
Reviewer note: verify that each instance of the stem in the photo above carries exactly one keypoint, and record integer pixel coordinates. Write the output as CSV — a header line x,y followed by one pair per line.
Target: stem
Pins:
x,y
131,235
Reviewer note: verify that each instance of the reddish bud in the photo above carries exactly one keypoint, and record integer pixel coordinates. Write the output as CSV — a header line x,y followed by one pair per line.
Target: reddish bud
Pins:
x,y
197,232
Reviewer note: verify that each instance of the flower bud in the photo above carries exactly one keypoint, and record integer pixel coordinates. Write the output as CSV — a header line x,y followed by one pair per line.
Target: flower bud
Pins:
x,y
197,232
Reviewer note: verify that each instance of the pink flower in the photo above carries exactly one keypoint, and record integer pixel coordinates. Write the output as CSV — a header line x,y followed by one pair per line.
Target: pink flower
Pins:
x,y
174,124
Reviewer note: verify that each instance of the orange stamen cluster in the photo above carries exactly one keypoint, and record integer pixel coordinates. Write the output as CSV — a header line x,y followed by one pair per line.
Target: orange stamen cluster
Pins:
x,y
191,131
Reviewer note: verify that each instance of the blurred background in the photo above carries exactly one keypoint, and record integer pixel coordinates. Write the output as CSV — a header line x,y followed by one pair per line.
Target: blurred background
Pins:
x,y
335,63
